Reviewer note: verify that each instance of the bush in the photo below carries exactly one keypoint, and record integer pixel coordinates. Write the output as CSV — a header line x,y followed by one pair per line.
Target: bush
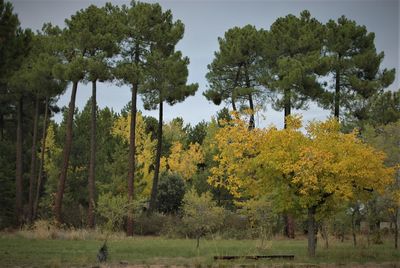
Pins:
x,y
170,193
201,215
149,224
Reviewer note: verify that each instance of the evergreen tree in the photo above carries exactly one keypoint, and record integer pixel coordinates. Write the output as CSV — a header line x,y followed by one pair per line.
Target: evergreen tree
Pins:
x,y
72,69
234,72
354,64
292,55
94,31
165,80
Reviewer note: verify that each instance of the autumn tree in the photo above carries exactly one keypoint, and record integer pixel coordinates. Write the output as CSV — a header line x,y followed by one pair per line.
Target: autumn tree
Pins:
x,y
233,75
354,64
303,171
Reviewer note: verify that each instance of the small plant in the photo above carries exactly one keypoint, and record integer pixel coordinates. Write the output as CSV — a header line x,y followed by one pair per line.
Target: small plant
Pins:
x,y
201,214
113,208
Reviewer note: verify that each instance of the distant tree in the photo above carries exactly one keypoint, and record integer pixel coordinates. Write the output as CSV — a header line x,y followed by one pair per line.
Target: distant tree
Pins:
x,y
197,133
354,64
201,215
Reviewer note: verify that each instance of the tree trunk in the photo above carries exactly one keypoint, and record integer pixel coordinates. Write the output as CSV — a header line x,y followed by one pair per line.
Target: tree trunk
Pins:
x,y
66,153
289,220
92,163
1,126
353,228
158,157
18,163
311,232
41,164
337,95
235,83
287,103
32,177
396,228
198,241
132,152
252,123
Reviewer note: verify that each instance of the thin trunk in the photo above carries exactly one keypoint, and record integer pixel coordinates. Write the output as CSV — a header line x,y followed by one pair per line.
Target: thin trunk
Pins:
x,y
132,152
396,228
235,83
1,126
251,104
18,162
311,232
337,95
289,228
132,148
41,164
33,160
66,153
198,241
92,164
158,157
287,103
353,229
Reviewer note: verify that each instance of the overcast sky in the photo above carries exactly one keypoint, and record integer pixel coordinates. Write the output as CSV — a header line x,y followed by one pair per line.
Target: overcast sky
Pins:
x,y
205,21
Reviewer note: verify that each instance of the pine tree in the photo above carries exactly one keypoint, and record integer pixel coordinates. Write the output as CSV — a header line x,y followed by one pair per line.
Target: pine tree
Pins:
x,y
354,63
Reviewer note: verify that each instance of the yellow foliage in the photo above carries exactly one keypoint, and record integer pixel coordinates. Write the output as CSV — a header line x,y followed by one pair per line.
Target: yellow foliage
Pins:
x,y
310,169
145,148
184,162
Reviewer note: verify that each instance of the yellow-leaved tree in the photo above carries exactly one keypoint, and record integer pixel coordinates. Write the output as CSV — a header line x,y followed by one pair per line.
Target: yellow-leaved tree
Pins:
x,y
313,171
145,148
185,162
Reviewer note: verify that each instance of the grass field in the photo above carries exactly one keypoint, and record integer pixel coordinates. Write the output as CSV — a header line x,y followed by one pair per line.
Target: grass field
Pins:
x,y
17,250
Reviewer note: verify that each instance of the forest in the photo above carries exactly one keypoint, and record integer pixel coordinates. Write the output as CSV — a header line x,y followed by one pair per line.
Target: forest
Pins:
x,y
122,171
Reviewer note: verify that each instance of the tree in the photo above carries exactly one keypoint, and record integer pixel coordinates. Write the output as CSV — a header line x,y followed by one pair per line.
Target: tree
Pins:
x,y
36,78
170,193
354,63
72,69
185,162
292,54
21,48
234,72
96,33
303,171
387,138
200,214
165,80
141,25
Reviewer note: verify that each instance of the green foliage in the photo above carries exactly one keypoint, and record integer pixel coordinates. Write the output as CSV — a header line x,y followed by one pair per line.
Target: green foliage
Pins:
x,y
292,54
114,208
201,215
170,193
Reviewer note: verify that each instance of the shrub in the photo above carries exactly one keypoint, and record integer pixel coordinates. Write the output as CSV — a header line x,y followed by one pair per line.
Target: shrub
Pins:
x,y
201,215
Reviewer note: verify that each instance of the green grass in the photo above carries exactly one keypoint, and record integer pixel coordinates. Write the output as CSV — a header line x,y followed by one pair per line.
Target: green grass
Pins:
x,y
16,250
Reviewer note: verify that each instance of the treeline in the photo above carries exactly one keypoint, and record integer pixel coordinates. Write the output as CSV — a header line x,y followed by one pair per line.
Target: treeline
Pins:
x,y
68,171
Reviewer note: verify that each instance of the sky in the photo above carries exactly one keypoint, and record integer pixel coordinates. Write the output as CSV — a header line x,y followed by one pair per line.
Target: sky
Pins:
x,y
205,21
